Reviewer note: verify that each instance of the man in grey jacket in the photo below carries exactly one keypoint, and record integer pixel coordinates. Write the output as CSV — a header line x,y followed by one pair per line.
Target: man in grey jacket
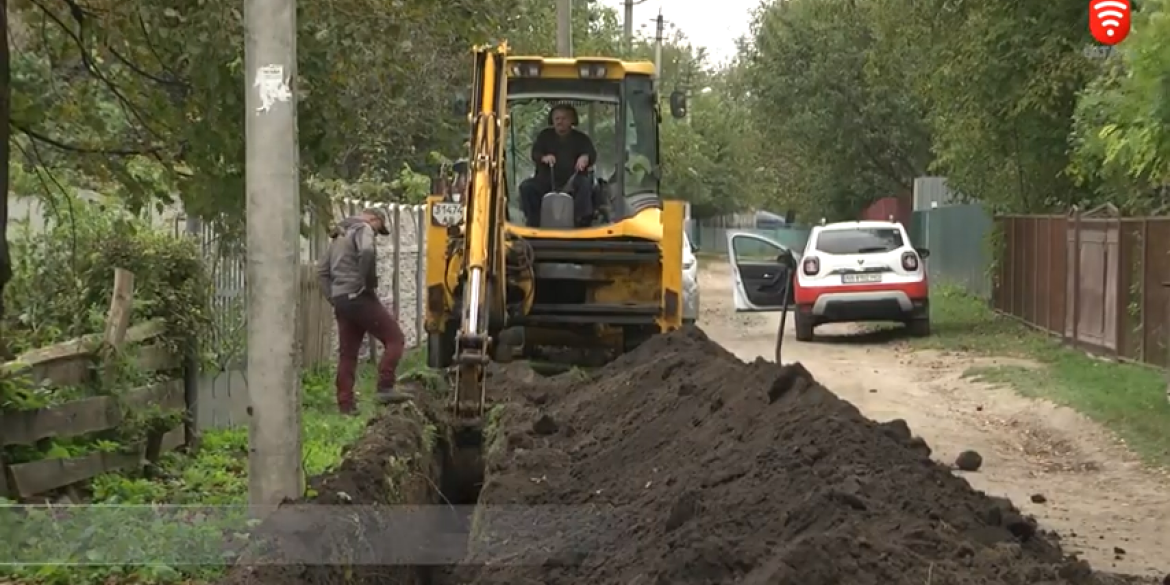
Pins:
x,y
348,276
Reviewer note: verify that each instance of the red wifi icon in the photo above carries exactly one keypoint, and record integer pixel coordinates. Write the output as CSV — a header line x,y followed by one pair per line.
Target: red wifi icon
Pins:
x,y
1109,20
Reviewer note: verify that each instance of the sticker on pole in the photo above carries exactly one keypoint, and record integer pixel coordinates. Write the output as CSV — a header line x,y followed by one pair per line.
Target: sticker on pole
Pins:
x,y
446,214
271,86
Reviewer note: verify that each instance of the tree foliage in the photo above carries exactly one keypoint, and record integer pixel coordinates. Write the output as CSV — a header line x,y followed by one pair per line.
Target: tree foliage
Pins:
x,y
146,102
1012,101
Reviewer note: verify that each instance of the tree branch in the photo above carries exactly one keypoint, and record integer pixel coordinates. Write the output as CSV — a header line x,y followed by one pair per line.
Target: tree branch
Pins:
x,y
78,15
79,149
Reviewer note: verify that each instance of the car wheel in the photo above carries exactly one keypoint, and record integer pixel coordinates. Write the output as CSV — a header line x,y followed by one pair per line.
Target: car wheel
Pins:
x,y
919,327
804,327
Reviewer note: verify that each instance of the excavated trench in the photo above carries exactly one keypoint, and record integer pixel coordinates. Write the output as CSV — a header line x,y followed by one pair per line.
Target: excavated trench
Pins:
x,y
398,511
675,464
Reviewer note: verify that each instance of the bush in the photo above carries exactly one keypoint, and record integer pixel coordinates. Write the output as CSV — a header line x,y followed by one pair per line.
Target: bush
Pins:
x,y
63,277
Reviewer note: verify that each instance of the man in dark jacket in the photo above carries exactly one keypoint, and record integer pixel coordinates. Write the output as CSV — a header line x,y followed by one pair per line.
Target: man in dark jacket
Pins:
x,y
348,277
560,151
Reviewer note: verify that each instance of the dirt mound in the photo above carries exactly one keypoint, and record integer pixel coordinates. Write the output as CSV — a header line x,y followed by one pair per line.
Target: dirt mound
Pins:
x,y
678,463
351,530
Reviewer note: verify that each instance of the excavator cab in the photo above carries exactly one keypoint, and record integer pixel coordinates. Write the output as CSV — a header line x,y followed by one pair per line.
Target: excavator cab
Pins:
x,y
561,287
619,115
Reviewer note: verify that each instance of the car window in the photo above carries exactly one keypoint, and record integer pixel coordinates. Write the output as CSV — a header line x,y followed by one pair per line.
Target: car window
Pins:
x,y
859,241
754,249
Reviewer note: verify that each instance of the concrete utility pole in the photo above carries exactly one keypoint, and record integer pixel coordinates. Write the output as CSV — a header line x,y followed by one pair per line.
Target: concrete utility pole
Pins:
x,y
628,33
274,219
564,28
659,34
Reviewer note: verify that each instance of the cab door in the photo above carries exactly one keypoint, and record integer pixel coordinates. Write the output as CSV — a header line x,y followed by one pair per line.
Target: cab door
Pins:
x,y
758,274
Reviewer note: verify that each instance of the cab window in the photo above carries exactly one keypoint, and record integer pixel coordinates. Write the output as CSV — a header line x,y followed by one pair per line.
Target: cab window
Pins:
x,y
641,136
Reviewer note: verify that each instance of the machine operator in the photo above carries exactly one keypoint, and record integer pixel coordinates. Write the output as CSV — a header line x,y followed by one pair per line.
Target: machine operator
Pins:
x,y
560,152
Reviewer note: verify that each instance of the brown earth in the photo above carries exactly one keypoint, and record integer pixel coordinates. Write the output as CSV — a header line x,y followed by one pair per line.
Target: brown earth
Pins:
x,y
1107,504
678,463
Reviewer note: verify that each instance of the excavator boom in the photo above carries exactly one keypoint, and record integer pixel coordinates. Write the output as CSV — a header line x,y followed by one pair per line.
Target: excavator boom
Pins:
x,y
483,237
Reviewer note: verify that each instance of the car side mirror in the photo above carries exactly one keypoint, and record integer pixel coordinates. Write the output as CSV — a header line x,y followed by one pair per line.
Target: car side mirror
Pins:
x,y
678,104
786,259
922,253
694,248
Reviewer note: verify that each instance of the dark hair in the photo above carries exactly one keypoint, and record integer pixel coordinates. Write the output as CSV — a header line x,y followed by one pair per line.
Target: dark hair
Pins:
x,y
565,107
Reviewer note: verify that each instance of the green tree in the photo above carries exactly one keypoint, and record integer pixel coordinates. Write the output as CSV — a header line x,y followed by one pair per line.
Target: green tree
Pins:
x,y
999,82
1121,138
842,129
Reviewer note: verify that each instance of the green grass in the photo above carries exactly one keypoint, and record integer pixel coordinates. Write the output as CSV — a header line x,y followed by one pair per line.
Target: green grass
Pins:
x,y
216,475
1129,399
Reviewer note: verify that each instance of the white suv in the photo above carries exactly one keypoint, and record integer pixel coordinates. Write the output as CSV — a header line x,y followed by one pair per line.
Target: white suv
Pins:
x,y
849,272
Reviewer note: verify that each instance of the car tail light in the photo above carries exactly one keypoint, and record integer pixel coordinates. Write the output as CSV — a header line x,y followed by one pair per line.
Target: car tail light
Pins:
x,y
812,266
910,261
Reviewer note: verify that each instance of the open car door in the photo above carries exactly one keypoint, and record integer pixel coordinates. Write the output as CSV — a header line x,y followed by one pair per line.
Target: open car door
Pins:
x,y
759,272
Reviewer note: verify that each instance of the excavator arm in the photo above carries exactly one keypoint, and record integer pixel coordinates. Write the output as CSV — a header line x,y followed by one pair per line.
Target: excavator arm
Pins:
x,y
483,276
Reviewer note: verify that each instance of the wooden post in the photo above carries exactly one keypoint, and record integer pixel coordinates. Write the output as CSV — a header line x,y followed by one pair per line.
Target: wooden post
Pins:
x,y
5,491
1167,285
1144,303
1123,284
1076,276
121,303
395,277
191,367
117,322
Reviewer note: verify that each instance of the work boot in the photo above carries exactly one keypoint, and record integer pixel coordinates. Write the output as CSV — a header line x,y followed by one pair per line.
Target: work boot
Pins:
x,y
392,395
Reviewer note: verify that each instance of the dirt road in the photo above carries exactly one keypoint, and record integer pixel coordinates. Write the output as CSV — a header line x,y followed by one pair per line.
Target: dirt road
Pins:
x,y
1096,495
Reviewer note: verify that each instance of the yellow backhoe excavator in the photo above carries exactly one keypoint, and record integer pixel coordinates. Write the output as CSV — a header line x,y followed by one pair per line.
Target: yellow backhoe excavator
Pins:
x,y
501,286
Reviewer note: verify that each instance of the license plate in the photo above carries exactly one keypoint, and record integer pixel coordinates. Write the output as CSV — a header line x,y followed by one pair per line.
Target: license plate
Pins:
x,y
446,214
859,278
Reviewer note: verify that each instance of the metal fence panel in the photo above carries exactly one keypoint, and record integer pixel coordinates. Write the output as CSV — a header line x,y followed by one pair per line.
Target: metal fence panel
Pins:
x,y
956,237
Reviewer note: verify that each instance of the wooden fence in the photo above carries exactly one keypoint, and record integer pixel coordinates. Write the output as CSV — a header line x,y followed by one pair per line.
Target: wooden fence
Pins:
x,y
72,363
1096,280
316,321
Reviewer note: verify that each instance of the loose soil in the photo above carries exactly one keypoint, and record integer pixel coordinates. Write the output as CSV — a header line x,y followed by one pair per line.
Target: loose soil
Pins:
x,y
1099,496
678,463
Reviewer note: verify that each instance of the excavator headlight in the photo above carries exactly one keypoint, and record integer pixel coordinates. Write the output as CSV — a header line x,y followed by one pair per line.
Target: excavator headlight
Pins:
x,y
526,69
591,70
